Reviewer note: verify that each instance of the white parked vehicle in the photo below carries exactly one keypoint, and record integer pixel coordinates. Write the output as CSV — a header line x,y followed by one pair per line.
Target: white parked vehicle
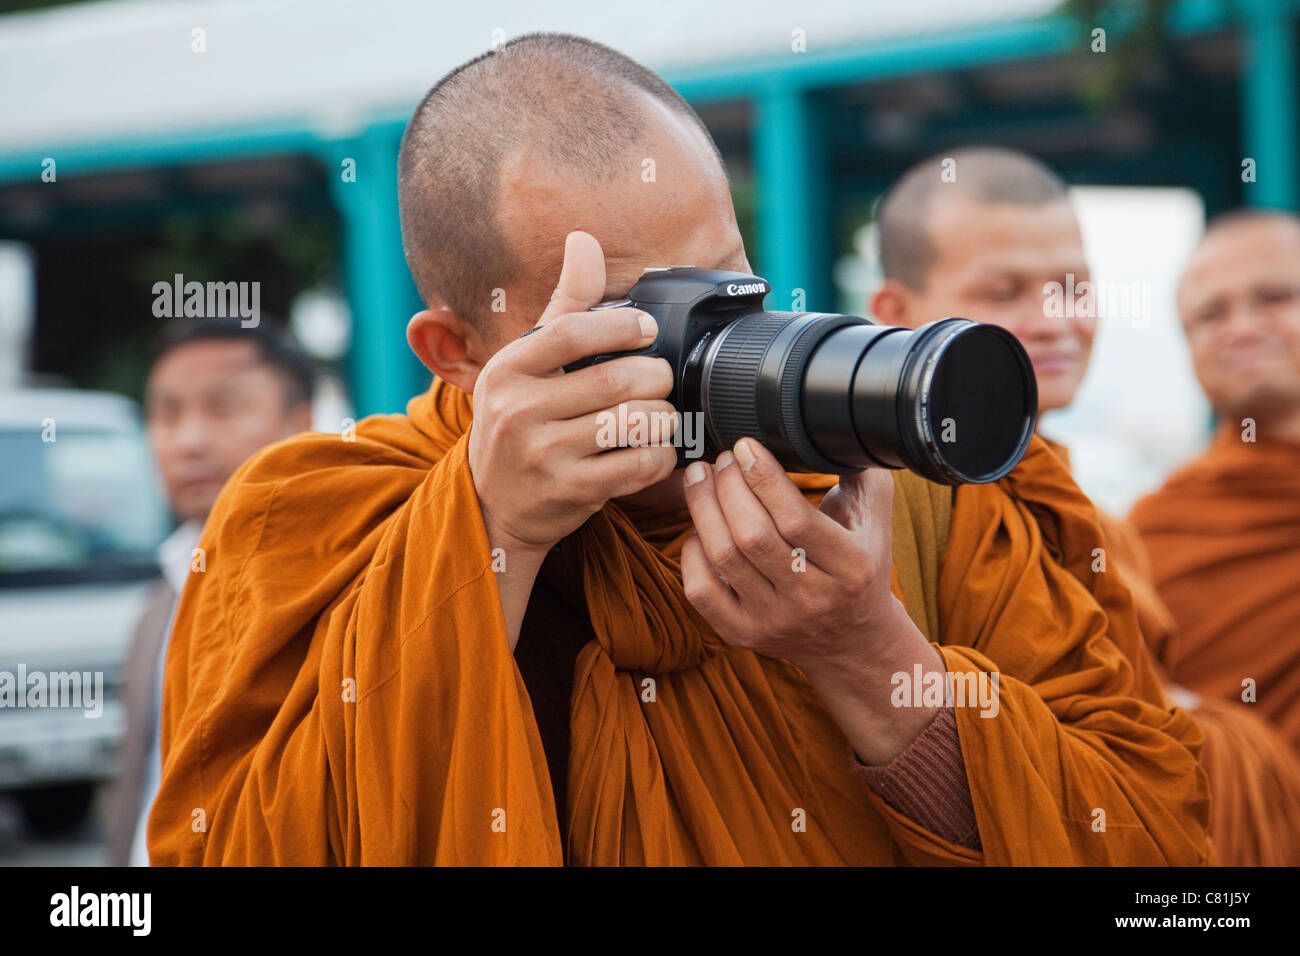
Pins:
x,y
81,516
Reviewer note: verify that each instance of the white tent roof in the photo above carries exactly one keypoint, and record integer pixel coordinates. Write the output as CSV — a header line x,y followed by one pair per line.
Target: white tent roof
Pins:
x,y
124,68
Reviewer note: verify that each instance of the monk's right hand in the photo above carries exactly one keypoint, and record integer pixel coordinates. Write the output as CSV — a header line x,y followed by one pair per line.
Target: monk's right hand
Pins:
x,y
537,448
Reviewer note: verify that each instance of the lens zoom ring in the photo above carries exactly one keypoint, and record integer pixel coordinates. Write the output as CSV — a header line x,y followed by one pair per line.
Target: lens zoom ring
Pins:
x,y
791,381
733,380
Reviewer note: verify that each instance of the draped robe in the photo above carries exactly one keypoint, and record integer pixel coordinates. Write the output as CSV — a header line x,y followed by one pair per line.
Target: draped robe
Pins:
x,y
340,688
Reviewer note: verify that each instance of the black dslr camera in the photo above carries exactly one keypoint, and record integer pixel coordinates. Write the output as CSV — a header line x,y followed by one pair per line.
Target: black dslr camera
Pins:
x,y
954,401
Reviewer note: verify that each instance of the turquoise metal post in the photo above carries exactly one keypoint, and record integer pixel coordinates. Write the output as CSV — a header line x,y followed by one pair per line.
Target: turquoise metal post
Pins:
x,y
382,371
1268,106
792,227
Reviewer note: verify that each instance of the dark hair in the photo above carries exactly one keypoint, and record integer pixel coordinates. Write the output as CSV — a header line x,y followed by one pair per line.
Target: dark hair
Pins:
x,y
573,102
275,346
989,174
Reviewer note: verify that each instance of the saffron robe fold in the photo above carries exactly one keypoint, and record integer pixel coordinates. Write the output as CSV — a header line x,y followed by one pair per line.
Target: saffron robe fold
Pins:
x,y
340,688
1254,776
1224,538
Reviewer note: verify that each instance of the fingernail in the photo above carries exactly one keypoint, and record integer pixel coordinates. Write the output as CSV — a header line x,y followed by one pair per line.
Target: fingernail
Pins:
x,y
694,474
745,455
649,327
725,459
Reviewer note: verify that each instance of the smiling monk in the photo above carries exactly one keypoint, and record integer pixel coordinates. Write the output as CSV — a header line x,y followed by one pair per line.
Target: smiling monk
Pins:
x,y
1224,531
474,635
989,247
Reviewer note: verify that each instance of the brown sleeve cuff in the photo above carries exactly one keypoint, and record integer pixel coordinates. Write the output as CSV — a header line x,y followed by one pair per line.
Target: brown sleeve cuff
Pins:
x,y
927,782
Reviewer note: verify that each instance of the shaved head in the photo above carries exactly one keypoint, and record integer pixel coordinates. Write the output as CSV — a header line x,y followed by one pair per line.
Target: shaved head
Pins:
x,y
988,245
986,174
1239,301
555,100
1240,219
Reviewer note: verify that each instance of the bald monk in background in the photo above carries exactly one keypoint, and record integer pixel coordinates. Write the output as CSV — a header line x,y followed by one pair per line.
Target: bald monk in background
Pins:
x,y
371,668
1224,530
987,247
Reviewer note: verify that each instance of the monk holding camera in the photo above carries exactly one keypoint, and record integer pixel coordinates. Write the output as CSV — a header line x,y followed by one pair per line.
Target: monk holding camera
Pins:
x,y
371,669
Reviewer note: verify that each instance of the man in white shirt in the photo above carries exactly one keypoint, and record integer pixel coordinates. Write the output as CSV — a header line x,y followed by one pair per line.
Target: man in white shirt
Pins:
x,y
217,393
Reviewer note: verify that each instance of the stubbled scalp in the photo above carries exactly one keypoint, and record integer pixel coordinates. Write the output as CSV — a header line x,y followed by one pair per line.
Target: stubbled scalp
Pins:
x,y
1227,226
989,174
1234,218
562,100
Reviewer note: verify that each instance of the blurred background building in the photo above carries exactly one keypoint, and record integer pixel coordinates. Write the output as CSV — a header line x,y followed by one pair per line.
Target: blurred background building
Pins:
x,y
256,141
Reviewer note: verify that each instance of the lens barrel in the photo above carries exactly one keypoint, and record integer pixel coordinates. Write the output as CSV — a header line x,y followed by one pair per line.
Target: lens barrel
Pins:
x,y
954,401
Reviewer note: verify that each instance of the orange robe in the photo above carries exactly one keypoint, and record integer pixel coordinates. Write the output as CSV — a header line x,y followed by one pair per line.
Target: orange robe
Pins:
x,y
1224,539
1254,776
340,689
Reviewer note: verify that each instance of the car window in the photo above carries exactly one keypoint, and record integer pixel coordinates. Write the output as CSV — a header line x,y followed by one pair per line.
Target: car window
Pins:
x,y
85,505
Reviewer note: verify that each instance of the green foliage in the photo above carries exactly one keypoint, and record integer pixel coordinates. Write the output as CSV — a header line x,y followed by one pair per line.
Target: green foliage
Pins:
x,y
300,253
1136,38
21,6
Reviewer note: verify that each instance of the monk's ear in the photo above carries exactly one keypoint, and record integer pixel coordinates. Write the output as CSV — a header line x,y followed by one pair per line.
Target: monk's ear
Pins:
x,y
891,304
448,346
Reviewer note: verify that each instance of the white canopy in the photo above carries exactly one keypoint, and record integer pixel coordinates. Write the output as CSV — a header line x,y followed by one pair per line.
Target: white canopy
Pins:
x,y
126,68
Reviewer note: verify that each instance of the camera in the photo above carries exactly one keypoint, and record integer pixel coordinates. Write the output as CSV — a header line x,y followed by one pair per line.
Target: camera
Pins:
x,y
954,401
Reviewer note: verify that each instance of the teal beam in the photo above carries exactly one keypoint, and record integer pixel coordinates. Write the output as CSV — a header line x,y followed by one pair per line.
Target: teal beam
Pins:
x,y
191,146
1268,109
791,200
201,145
830,63
841,65
382,371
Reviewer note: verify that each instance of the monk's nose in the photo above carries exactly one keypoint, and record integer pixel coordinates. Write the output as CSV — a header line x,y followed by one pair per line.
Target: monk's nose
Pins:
x,y
1242,324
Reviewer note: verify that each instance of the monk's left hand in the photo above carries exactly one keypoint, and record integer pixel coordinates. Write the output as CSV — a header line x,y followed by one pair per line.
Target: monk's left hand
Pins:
x,y
775,575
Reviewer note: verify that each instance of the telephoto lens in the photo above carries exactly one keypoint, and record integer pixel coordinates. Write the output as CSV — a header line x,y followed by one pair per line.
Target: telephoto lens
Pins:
x,y
954,401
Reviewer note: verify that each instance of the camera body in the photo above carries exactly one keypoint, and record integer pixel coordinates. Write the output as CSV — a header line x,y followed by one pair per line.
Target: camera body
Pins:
x,y
692,306
955,401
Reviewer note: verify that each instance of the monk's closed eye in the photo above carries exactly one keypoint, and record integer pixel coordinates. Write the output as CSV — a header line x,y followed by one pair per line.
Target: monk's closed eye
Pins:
x,y
1208,316
1274,296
